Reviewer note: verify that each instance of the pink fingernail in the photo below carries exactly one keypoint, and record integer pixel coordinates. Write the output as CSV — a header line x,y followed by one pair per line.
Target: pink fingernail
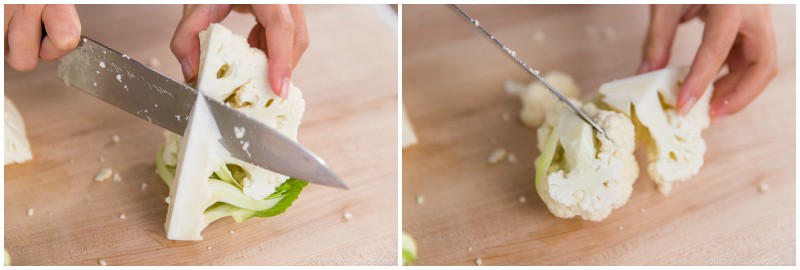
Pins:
x,y
643,67
687,106
719,112
285,88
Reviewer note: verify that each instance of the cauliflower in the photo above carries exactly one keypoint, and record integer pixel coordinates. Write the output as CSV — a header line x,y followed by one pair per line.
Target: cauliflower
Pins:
x,y
206,183
17,148
537,99
674,142
581,172
409,137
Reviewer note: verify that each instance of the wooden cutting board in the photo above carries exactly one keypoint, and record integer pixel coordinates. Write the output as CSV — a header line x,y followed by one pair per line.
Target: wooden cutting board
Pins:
x,y
349,80
453,90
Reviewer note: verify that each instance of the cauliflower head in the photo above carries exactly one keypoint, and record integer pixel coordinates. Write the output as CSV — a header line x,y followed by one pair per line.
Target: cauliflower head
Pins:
x,y
581,172
537,100
674,142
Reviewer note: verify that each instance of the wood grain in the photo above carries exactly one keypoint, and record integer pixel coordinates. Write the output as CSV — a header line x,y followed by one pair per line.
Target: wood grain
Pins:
x,y
453,91
349,79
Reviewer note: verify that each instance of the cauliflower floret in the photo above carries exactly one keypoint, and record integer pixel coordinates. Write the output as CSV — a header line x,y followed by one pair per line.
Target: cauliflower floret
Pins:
x,y
537,99
674,142
16,149
581,172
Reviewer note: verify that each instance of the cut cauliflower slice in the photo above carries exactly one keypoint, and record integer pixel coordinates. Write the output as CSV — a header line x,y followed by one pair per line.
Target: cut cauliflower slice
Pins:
x,y
675,143
537,99
581,172
206,183
16,149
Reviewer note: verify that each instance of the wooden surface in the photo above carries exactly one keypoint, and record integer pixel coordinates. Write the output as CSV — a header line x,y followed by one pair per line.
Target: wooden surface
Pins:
x,y
453,90
349,79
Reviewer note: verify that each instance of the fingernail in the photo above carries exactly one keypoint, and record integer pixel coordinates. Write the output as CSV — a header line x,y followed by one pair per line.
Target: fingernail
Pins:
x,y
719,112
643,67
285,88
688,104
187,69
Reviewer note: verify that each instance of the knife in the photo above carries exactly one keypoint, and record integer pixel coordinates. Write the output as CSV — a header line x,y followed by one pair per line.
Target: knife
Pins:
x,y
133,87
527,68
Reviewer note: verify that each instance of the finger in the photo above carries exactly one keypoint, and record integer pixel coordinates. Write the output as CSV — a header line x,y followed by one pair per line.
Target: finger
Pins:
x,y
300,34
8,11
664,20
759,49
185,44
254,38
753,81
63,31
719,34
24,38
279,32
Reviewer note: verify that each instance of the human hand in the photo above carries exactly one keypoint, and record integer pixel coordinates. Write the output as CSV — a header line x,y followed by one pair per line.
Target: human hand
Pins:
x,y
740,36
280,31
23,33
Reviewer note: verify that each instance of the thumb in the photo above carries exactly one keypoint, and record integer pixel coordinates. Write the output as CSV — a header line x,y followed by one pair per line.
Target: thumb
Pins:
x,y
664,20
185,44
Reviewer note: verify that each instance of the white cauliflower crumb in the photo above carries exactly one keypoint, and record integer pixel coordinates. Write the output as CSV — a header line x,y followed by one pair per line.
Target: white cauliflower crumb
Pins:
x,y
522,199
209,247
420,199
478,261
620,228
231,231
347,215
643,210
122,216
144,186
101,262
512,158
119,78
763,187
103,174
30,212
154,62
497,155
102,159
102,64
539,36
117,178
469,248
115,138
166,200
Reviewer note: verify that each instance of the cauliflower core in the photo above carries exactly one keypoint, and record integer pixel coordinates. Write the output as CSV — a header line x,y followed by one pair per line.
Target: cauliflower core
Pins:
x,y
675,143
537,100
581,172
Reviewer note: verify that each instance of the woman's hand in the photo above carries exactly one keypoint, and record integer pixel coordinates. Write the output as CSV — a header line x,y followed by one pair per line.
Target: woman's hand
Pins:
x,y
23,32
280,31
740,36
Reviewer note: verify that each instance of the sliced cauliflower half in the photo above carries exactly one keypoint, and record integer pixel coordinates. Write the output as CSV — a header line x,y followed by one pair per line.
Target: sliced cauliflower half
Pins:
x,y
581,172
537,99
675,143
206,182
17,149
234,73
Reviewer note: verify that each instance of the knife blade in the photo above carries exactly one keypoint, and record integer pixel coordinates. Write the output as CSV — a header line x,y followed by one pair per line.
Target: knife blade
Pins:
x,y
511,53
133,87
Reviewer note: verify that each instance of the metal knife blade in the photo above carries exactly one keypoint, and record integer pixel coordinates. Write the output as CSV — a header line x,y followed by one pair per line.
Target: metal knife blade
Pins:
x,y
511,53
131,86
